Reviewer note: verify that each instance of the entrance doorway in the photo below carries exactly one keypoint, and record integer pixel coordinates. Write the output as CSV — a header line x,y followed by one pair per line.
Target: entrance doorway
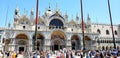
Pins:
x,y
73,45
21,42
56,47
58,40
21,48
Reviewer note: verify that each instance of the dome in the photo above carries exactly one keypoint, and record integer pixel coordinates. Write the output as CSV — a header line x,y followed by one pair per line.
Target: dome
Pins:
x,y
40,21
72,22
85,25
24,20
48,13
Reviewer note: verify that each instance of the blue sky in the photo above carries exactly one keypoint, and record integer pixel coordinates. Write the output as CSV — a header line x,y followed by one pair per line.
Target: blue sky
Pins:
x,y
97,9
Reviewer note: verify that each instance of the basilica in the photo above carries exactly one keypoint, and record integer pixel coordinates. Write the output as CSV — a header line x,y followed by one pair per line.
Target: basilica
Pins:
x,y
56,31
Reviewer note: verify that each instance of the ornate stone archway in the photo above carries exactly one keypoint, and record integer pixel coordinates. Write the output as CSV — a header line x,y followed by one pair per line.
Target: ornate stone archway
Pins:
x,y
75,42
39,42
88,43
21,42
58,40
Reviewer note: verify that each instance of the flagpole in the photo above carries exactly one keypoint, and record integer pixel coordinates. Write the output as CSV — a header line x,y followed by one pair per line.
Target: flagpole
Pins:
x,y
82,27
111,24
36,23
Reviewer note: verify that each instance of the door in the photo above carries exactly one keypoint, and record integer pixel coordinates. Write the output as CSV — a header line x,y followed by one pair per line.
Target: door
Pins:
x,y
56,47
21,48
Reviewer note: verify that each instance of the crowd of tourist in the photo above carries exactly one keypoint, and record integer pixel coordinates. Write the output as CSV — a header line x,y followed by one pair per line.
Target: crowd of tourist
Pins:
x,y
63,53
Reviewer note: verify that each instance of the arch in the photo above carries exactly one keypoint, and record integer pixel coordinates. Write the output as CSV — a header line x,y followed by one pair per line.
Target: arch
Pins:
x,y
22,42
98,31
107,32
58,33
56,22
58,40
39,36
75,42
103,47
56,17
39,41
7,41
115,32
21,36
107,47
111,47
87,38
88,42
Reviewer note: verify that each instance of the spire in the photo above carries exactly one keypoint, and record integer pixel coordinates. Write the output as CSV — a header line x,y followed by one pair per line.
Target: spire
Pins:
x,y
49,9
9,25
88,17
39,15
66,15
32,14
25,11
16,10
72,16
32,11
88,20
77,17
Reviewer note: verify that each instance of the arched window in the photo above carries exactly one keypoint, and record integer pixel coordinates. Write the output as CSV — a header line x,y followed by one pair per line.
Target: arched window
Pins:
x,y
98,41
71,29
56,22
115,32
98,31
107,32
102,41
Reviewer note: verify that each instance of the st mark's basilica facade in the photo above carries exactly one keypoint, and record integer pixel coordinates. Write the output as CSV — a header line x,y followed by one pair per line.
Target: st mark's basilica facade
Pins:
x,y
55,31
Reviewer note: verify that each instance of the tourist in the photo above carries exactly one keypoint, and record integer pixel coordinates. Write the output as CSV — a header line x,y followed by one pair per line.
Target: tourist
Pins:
x,y
1,54
14,55
20,55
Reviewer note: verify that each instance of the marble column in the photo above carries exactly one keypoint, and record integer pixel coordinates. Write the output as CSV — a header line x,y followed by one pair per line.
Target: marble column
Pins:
x,y
30,45
47,44
68,45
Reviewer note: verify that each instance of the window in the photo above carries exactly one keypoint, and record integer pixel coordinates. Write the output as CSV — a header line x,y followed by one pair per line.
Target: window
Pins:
x,y
98,31
107,32
98,41
23,27
71,29
115,32
1,30
38,27
16,13
56,22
